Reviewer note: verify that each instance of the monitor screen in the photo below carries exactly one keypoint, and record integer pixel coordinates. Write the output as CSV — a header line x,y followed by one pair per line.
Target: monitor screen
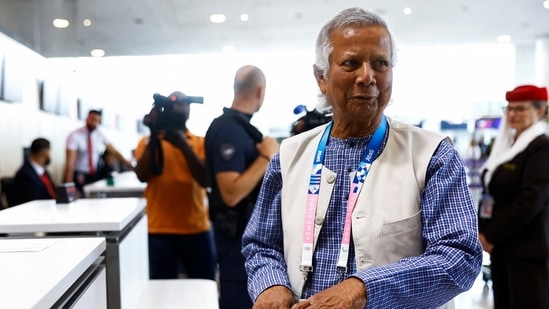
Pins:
x,y
14,78
487,123
49,95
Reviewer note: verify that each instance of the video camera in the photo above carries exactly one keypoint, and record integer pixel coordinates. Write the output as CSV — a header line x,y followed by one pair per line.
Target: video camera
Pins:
x,y
164,117
311,119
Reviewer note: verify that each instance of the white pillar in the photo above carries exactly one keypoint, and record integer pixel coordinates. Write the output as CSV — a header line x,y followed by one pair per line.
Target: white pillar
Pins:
x,y
542,60
525,64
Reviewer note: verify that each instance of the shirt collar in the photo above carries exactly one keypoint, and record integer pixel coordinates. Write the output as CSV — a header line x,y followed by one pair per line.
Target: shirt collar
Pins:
x,y
37,167
235,112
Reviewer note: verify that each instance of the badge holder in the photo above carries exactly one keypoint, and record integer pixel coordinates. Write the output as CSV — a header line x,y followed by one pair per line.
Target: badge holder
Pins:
x,y
486,206
66,193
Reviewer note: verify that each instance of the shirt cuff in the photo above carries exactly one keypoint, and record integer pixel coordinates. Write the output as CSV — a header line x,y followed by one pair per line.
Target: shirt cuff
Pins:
x,y
267,279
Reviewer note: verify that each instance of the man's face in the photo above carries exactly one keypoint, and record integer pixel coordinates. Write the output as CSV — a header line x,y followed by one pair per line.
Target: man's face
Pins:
x,y
46,156
359,82
93,121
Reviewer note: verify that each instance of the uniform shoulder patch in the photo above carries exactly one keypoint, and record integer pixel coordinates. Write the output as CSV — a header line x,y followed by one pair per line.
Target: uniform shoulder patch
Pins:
x,y
227,151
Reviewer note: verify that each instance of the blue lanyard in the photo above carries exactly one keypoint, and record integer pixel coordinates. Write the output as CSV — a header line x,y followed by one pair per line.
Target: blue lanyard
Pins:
x,y
366,161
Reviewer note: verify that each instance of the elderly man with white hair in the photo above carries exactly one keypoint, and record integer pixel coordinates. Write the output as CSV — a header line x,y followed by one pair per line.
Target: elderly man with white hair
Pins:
x,y
364,211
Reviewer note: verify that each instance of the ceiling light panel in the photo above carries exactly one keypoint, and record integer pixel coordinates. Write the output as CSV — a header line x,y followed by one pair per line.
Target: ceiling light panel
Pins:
x,y
217,18
97,53
504,38
61,23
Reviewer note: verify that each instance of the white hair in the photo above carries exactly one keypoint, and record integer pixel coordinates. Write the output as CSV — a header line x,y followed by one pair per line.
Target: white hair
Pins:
x,y
323,46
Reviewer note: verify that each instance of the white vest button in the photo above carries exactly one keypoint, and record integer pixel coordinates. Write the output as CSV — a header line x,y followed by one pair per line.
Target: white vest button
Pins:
x,y
330,179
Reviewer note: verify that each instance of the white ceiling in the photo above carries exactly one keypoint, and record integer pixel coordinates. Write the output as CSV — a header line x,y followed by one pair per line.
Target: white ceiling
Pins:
x,y
152,27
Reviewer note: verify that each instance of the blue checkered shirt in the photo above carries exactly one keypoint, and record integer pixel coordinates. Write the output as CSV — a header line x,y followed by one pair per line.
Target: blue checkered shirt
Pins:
x,y
449,265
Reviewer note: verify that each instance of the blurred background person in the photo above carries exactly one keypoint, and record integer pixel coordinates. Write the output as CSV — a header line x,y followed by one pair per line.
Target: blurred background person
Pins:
x,y
237,155
311,119
170,160
514,210
109,164
33,181
84,147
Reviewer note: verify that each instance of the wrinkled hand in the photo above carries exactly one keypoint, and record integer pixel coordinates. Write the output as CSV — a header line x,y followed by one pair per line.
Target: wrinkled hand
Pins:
x,y
275,297
349,294
486,245
268,147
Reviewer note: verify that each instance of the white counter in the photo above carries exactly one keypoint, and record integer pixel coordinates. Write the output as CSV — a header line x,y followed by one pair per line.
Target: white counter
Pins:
x,y
179,293
126,184
120,220
37,272
83,215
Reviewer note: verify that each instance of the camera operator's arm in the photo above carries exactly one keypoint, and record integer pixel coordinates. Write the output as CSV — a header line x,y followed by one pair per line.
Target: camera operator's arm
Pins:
x,y
196,165
143,168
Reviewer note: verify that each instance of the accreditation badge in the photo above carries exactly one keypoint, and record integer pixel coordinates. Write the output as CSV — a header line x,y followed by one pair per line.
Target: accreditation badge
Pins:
x,y
486,206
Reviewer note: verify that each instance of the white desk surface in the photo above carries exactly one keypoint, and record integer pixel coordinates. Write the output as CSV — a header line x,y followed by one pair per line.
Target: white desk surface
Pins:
x,y
179,293
83,215
37,279
126,181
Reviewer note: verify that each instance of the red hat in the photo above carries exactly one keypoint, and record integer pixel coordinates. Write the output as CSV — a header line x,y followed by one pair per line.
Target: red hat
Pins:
x,y
527,93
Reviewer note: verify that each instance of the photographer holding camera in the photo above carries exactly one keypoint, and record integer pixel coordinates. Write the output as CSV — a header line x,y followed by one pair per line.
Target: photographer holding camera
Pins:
x,y
170,160
310,120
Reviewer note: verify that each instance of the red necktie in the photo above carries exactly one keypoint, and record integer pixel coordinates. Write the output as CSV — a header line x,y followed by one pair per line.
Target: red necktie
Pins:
x,y
46,181
90,155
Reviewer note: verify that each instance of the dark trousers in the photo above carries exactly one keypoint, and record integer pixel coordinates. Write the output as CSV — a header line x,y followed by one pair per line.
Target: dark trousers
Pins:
x,y
232,275
520,283
81,179
171,255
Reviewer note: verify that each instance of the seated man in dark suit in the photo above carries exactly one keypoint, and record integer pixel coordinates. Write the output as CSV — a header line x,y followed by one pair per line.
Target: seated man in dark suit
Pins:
x,y
32,181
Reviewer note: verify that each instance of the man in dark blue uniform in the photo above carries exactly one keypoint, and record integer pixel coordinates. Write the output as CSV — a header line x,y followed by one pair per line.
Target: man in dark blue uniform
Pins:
x,y
237,156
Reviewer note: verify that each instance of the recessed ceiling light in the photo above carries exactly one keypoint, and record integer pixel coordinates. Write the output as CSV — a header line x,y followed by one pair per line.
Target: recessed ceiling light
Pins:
x,y
407,11
244,17
217,18
86,22
61,23
228,48
504,38
546,4
97,53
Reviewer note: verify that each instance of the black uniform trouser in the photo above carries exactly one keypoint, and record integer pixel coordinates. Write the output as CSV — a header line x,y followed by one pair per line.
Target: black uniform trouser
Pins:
x,y
232,274
520,283
81,179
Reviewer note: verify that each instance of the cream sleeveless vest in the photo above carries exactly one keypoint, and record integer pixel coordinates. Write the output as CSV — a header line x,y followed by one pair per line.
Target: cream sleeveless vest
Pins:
x,y
386,222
